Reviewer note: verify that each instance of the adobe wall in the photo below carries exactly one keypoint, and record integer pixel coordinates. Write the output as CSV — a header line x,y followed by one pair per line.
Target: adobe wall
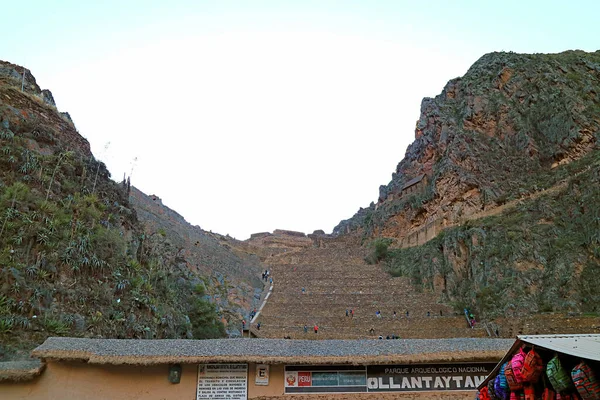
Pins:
x,y
275,387
95,382
81,381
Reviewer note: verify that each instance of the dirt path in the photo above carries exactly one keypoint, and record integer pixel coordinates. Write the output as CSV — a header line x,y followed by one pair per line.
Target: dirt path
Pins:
x,y
513,203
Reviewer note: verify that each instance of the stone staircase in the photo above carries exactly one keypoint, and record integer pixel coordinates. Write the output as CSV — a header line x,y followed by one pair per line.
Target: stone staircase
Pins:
x,y
336,278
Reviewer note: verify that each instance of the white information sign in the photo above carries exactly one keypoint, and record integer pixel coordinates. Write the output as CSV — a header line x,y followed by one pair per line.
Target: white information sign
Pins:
x,y
222,381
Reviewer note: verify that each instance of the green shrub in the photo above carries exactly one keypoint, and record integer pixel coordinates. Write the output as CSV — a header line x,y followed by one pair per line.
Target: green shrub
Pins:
x,y
379,250
56,326
6,324
205,321
199,289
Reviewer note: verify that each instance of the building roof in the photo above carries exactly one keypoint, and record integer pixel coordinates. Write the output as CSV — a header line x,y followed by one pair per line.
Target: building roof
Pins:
x,y
583,345
273,351
20,370
413,181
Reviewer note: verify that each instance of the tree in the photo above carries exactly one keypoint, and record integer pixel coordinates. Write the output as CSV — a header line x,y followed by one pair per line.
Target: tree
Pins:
x,y
205,321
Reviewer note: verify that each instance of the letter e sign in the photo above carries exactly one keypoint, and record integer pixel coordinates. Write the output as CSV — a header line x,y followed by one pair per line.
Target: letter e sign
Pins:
x,y
262,375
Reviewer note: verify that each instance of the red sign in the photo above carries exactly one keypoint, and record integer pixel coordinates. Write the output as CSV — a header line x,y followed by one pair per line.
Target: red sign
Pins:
x,y
304,378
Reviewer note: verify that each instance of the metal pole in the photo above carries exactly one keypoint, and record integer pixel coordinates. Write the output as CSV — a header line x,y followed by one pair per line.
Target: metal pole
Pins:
x,y
23,82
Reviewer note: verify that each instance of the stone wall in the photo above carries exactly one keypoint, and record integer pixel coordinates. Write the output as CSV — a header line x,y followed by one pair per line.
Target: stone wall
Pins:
x,y
280,239
547,323
423,234
288,233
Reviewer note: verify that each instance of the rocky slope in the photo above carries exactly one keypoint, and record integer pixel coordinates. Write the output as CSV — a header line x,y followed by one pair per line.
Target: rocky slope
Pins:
x,y
235,283
517,130
74,257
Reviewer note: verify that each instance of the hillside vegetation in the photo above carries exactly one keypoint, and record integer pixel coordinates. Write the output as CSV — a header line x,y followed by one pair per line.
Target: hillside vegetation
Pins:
x,y
74,260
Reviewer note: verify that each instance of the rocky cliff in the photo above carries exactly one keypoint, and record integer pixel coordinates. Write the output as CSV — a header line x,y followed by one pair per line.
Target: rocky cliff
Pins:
x,y
486,138
41,111
502,173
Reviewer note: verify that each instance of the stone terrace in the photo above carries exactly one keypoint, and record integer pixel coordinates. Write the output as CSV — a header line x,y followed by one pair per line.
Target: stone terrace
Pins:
x,y
336,278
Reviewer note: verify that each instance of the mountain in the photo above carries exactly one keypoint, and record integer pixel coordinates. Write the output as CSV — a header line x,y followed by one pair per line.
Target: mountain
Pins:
x,y
496,203
495,207
75,258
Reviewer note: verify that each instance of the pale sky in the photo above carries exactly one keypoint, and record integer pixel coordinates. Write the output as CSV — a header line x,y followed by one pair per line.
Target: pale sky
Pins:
x,y
250,116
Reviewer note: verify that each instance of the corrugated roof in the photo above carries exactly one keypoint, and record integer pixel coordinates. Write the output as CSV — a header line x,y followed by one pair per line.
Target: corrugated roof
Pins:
x,y
585,346
274,351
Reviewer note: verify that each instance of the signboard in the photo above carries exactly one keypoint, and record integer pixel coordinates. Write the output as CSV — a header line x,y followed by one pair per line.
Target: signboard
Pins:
x,y
262,375
325,379
426,377
222,381
385,378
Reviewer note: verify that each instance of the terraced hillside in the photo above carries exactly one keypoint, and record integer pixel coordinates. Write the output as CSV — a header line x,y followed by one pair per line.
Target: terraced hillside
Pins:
x,y
336,278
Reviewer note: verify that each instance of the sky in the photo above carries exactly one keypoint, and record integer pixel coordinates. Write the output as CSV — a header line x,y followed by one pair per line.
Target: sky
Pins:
x,y
251,116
